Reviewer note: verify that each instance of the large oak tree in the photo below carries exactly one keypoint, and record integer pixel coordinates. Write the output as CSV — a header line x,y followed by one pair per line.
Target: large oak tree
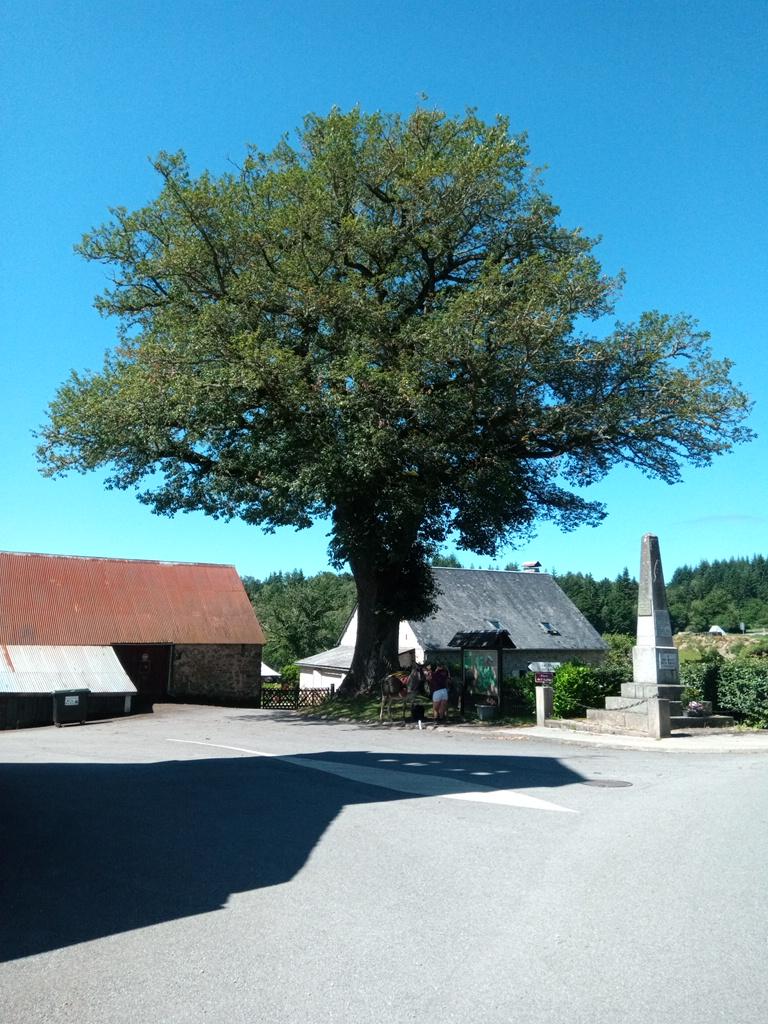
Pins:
x,y
385,325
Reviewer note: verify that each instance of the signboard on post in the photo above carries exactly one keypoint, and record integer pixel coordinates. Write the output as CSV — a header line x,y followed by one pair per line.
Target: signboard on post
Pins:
x,y
544,671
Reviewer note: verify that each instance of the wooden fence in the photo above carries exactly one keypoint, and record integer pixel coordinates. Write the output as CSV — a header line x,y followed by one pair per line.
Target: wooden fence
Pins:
x,y
293,697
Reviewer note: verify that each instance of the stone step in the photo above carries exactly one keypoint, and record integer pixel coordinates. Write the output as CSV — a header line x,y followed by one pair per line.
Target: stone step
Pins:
x,y
638,705
702,722
619,721
577,724
666,691
631,705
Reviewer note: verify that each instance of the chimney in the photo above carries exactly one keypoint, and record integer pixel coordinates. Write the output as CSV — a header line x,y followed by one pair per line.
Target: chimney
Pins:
x,y
531,566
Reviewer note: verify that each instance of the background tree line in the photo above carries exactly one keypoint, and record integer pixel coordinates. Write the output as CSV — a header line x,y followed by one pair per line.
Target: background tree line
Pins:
x,y
303,615
724,593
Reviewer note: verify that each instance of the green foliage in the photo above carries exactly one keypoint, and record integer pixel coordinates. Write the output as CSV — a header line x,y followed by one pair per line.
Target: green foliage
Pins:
x,y
573,691
446,562
578,687
300,615
755,649
386,326
689,655
290,674
609,605
618,657
724,593
701,679
743,689
519,692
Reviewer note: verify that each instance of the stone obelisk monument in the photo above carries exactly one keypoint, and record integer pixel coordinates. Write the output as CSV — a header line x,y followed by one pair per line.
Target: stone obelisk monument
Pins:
x,y
651,703
655,688
648,703
655,661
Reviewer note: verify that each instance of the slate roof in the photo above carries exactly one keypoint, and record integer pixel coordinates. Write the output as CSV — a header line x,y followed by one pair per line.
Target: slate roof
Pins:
x,y
339,658
518,602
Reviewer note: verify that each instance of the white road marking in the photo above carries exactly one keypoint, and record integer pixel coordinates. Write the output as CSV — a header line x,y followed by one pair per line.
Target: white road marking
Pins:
x,y
402,782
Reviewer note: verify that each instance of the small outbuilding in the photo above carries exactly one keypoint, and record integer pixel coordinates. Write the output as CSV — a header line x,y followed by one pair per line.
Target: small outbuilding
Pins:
x,y
130,632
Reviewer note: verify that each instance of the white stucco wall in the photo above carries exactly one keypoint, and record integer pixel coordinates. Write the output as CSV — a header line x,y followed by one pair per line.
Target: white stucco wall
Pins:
x,y
406,641
312,678
350,633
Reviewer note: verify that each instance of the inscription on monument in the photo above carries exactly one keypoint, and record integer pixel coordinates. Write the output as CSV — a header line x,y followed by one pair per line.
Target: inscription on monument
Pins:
x,y
666,659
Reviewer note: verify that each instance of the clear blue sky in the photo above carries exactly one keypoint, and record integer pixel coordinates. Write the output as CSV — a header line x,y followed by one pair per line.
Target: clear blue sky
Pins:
x,y
649,116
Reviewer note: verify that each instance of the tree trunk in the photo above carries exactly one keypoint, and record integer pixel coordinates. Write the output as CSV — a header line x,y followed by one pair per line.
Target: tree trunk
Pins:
x,y
376,641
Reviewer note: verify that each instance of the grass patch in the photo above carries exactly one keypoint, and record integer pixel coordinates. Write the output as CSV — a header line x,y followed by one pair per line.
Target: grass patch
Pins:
x,y
367,709
355,709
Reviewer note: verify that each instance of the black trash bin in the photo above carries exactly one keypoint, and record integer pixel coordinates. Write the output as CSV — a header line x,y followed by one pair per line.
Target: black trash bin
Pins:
x,y
417,712
70,706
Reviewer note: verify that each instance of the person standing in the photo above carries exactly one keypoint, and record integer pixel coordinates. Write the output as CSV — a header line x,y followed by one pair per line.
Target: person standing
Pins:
x,y
439,686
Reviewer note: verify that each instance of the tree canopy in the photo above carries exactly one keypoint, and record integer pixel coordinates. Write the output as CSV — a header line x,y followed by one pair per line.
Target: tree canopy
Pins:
x,y
724,593
301,615
382,324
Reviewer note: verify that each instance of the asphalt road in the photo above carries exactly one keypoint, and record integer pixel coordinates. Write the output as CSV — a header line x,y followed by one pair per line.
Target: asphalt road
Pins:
x,y
225,866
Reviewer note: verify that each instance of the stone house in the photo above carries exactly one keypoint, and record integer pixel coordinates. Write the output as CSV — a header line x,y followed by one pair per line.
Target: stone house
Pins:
x,y
131,632
524,616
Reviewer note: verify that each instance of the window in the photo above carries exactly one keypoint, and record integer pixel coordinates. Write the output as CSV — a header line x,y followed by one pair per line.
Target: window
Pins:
x,y
549,628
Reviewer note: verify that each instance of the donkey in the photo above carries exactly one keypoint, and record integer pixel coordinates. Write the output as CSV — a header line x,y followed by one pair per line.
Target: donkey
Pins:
x,y
398,686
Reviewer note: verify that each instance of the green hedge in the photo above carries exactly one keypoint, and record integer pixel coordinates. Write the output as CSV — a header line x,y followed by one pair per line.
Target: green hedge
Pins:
x,y
701,681
518,694
578,687
743,690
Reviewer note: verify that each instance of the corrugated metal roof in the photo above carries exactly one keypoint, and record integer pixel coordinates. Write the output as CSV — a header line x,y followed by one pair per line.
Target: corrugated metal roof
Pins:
x,y
33,669
57,599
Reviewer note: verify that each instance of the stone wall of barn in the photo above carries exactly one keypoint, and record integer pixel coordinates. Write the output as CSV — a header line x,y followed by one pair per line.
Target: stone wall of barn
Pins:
x,y
216,673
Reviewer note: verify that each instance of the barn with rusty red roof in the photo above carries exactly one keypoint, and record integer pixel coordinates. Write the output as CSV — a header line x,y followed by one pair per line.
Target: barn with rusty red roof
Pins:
x,y
130,632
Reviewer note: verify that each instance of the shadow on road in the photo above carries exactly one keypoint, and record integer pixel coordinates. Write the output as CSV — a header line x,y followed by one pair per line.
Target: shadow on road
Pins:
x,y
90,850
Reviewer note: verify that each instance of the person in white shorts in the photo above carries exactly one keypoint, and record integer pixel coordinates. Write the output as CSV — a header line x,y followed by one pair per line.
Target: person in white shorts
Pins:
x,y
439,683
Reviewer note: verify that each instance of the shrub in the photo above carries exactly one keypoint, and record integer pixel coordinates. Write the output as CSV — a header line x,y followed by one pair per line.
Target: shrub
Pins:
x,y
572,691
577,687
618,657
744,690
518,694
755,649
607,680
290,674
701,679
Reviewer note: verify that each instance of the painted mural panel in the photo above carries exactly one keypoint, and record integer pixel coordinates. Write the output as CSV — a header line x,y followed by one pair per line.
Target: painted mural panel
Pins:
x,y
481,673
